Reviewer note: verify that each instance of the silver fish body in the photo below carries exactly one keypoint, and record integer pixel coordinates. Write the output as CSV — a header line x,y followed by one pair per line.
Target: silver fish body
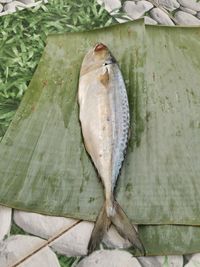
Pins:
x,y
104,117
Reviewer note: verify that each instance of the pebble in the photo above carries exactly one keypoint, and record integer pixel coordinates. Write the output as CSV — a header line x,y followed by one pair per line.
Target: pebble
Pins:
x,y
18,246
113,240
110,5
184,18
10,6
188,10
149,262
194,261
5,1
27,2
13,6
4,13
5,221
170,5
111,258
41,225
191,4
150,21
173,261
75,241
136,10
160,16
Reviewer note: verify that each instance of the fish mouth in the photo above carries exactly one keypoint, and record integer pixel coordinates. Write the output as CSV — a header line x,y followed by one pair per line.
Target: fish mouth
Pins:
x,y
103,53
99,47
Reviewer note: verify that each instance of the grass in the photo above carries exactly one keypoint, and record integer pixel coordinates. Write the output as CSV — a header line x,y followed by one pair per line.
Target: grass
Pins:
x,y
22,40
16,230
66,261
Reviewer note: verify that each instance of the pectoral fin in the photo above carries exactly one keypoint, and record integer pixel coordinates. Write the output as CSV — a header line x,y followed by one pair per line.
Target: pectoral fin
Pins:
x,y
104,78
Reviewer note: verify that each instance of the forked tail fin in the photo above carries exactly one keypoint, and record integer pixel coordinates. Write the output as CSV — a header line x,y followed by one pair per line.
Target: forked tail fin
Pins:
x,y
100,228
126,229
122,224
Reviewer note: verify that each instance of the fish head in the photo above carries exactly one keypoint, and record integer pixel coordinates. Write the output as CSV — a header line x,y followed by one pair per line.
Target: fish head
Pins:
x,y
96,57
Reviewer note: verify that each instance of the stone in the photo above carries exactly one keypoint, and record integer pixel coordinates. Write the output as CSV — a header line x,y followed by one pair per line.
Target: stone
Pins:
x,y
75,241
112,239
149,262
110,5
194,261
34,4
198,15
160,16
191,4
111,258
41,225
136,10
5,1
13,6
184,18
175,261
5,221
4,13
1,7
170,5
18,246
150,21
188,10
27,2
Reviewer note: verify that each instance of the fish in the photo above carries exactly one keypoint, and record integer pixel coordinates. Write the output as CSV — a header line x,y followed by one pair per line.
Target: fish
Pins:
x,y
105,122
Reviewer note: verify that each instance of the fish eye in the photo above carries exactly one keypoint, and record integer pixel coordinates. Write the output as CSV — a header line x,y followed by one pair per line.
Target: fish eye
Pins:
x,y
109,61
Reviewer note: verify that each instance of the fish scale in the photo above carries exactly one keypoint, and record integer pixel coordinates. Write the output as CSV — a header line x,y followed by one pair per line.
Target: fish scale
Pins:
x,y
122,124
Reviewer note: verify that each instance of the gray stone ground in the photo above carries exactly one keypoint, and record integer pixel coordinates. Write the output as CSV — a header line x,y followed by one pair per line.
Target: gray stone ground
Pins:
x,y
165,12
14,248
70,237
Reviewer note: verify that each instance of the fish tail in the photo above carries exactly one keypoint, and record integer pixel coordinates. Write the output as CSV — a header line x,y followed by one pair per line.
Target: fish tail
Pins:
x,y
125,228
100,228
111,212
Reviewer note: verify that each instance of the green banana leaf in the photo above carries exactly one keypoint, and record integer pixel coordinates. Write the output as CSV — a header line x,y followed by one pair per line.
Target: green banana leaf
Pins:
x,y
43,163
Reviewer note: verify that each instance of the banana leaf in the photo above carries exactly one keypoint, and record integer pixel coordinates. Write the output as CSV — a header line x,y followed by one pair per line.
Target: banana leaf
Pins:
x,y
43,163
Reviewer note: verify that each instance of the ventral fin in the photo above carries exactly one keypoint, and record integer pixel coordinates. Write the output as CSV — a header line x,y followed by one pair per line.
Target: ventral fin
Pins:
x,y
104,78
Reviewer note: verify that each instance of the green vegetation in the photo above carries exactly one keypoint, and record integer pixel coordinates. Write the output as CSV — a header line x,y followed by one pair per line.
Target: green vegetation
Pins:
x,y
22,40
66,261
16,230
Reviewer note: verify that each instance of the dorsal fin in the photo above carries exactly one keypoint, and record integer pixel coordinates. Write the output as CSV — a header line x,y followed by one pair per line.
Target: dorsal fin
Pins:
x,y
104,78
